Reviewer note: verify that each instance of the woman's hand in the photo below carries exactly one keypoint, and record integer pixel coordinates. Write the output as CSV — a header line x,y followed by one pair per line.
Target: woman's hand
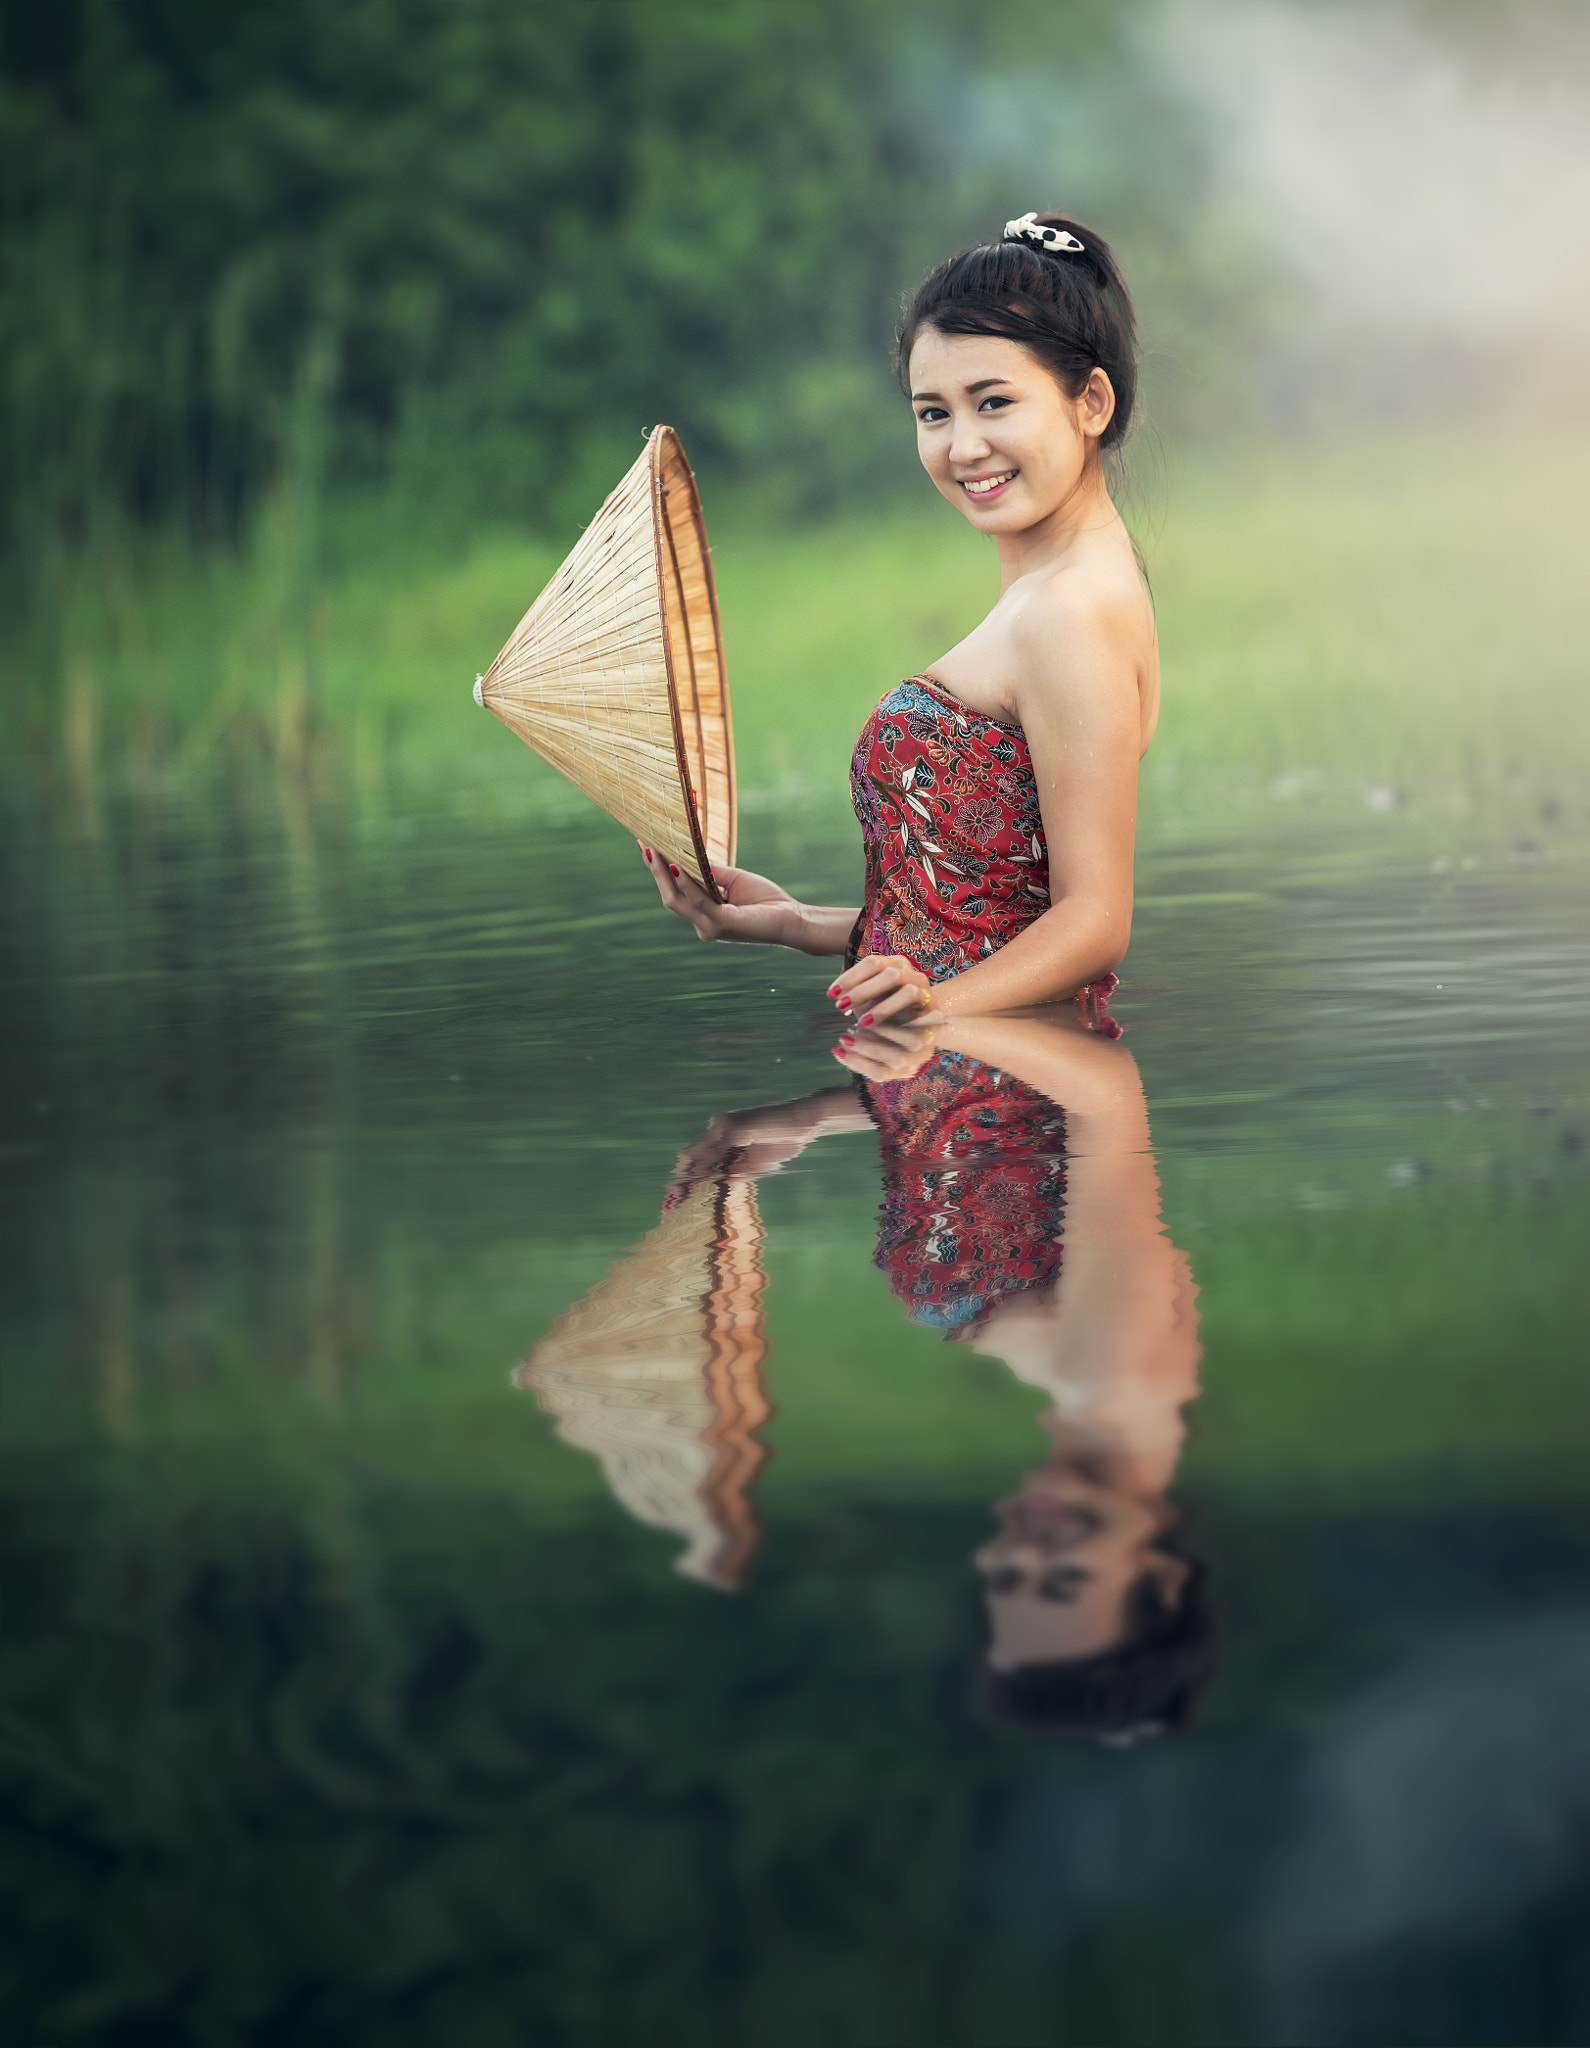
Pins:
x,y
884,986
743,1143
721,1148
758,912
889,1052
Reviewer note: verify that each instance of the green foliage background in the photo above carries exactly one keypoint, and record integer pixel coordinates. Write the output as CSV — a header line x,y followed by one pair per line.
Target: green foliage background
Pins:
x,y
480,245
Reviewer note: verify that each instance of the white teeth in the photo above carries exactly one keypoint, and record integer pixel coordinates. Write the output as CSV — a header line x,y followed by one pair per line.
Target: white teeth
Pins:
x,y
982,485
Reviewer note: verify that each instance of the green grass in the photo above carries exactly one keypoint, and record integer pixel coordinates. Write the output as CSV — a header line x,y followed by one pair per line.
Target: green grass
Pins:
x,y
1400,613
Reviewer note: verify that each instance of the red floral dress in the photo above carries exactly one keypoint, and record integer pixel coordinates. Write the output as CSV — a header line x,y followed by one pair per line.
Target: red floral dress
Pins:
x,y
956,858
973,1189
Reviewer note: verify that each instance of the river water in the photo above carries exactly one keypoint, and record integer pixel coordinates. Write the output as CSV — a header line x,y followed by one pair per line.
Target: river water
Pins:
x,y
471,1579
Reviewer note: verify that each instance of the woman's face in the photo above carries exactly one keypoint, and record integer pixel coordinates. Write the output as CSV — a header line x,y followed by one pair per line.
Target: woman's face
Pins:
x,y
1058,1576
995,431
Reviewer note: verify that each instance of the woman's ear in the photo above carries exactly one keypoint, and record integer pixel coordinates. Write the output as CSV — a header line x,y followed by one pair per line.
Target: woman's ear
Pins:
x,y
1097,404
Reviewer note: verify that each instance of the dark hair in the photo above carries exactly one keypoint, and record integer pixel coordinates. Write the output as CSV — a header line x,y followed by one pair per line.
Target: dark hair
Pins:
x,y
1146,1686
1073,312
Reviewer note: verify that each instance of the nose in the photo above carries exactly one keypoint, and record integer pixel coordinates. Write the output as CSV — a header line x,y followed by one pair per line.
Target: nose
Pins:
x,y
968,443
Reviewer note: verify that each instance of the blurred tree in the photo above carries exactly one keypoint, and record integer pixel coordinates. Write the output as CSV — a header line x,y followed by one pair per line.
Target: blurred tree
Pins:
x,y
484,243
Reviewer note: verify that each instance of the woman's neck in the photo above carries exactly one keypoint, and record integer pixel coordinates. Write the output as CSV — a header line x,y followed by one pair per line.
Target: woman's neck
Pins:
x,y
1086,509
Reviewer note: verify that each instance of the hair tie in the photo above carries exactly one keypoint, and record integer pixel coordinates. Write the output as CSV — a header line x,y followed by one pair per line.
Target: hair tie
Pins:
x,y
1054,241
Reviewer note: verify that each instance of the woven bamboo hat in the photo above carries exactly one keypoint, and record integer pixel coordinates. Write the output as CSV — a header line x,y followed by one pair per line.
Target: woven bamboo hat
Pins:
x,y
615,674
658,1371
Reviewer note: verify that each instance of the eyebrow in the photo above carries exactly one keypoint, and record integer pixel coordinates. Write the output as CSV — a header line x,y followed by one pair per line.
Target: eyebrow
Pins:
x,y
982,384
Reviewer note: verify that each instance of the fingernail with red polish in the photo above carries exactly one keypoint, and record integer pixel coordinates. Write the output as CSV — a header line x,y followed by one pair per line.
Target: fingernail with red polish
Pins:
x,y
866,1020
847,1039
672,869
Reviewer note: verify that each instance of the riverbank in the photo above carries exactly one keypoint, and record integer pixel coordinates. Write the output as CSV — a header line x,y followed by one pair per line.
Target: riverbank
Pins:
x,y
1376,622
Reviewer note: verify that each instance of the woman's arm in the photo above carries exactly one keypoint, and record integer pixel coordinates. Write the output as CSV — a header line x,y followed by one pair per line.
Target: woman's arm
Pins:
x,y
1119,1334
1082,716
758,912
743,1143
1055,1051
1079,706
1094,1079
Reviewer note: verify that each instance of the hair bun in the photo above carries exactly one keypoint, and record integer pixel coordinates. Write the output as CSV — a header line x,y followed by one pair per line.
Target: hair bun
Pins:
x,y
1041,234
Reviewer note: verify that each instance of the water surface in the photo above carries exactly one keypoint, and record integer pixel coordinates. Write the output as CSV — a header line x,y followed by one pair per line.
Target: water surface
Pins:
x,y
345,1700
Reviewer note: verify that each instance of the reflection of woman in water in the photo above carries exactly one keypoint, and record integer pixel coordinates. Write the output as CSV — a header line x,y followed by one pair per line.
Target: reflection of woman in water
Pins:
x,y
1031,1233
997,791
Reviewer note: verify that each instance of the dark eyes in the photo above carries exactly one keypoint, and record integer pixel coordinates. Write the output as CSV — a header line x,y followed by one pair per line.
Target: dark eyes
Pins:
x,y
930,415
1061,1582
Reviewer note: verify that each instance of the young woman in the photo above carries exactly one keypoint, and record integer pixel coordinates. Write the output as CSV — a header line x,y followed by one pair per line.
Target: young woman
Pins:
x,y
1021,1218
997,791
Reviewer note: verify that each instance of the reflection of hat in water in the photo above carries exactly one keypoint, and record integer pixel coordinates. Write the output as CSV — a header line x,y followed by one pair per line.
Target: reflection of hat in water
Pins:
x,y
658,1372
615,674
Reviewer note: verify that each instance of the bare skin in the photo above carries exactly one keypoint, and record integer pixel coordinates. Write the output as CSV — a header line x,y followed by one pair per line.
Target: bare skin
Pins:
x,y
1115,1343
1068,653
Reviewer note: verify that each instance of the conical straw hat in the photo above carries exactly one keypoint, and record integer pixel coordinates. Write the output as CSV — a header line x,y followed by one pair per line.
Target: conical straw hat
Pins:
x,y
658,1371
615,674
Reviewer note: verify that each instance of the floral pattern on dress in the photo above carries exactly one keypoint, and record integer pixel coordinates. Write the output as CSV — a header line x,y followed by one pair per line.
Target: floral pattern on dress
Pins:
x,y
973,1189
956,859
957,863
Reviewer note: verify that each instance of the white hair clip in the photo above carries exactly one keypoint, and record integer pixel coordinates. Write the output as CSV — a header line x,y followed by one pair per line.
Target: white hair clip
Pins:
x,y
1055,240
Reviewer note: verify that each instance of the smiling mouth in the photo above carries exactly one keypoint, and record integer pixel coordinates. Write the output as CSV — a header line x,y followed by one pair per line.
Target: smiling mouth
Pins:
x,y
981,486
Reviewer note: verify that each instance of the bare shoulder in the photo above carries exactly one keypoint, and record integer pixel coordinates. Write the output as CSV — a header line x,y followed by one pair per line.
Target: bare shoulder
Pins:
x,y
1086,627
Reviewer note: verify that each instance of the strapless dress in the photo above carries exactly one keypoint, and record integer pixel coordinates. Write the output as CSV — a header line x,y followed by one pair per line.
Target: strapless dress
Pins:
x,y
974,1181
957,863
